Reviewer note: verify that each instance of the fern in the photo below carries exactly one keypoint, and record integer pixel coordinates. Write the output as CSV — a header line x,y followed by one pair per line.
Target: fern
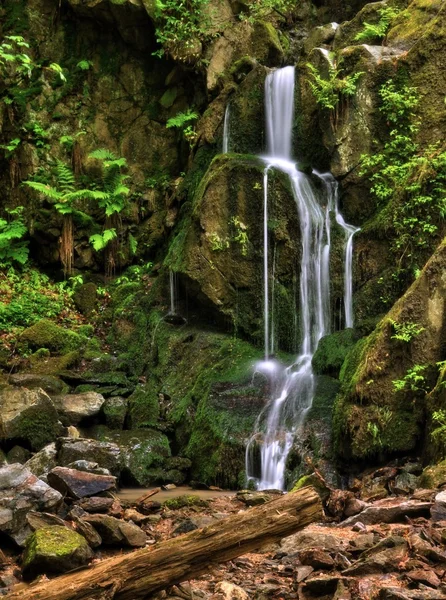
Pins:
x,y
378,30
133,244
11,249
100,240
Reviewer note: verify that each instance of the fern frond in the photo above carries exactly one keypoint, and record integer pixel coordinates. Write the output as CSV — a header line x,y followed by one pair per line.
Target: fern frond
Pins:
x,y
44,189
65,178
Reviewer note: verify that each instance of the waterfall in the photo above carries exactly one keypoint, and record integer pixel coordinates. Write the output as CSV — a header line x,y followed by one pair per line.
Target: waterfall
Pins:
x,y
292,388
226,130
349,231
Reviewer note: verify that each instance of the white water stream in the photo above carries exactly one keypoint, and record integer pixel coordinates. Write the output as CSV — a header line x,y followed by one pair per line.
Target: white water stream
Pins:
x,y
293,387
226,129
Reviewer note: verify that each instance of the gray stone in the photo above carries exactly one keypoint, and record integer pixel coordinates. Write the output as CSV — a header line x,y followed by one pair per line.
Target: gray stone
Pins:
x,y
21,492
43,461
405,483
392,513
79,484
88,467
48,383
117,533
76,407
105,454
438,510
39,520
96,504
87,530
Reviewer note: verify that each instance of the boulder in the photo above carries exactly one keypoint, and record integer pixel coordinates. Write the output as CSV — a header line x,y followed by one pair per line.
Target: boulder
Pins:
x,y
43,461
28,415
434,476
93,538
17,454
21,492
50,384
40,520
96,504
79,484
438,510
117,533
88,466
390,513
46,334
143,455
106,455
54,550
384,557
76,407
115,411
230,591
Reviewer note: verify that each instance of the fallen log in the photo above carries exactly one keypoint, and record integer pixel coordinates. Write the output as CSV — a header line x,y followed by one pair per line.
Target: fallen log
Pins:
x,y
142,573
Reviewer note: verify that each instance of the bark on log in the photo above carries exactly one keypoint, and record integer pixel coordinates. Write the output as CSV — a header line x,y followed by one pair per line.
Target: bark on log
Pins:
x,y
142,573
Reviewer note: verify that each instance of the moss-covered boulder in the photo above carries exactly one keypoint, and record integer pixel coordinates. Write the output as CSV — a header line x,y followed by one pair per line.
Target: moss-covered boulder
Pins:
x,y
434,476
28,415
85,298
115,410
54,550
143,454
46,334
143,408
385,377
331,352
107,455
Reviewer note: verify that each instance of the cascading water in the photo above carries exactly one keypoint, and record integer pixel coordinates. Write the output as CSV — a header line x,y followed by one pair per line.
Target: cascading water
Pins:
x,y
293,387
226,129
173,293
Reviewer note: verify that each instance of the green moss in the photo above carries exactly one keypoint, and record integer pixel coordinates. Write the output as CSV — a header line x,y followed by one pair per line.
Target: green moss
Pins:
x,y
186,501
332,351
313,481
46,334
143,408
54,549
434,476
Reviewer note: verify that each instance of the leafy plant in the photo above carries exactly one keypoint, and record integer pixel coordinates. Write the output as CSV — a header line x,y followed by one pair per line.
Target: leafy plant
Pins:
x,y
405,332
371,32
183,121
99,241
217,243
180,27
331,90
241,235
84,65
261,9
413,380
439,433
408,183
11,147
12,247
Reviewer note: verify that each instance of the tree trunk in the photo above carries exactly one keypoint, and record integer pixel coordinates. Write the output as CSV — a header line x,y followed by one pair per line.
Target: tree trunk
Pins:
x,y
140,574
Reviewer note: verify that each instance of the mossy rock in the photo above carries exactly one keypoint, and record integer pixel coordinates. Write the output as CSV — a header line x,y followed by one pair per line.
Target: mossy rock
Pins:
x,y
143,408
85,298
434,476
186,501
331,352
28,415
114,410
54,550
46,334
314,481
372,417
144,454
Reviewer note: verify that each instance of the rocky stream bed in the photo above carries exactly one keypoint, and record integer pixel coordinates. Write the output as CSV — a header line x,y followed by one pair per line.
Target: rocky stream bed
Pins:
x,y
381,539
